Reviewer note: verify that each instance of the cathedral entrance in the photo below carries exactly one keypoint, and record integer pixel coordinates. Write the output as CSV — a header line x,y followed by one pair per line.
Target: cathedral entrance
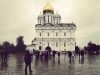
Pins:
x,y
48,48
39,47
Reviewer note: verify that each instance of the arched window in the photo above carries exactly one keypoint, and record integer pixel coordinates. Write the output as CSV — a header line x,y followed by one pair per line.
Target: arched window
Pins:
x,y
40,34
48,18
57,21
64,34
56,44
44,20
48,44
64,44
54,21
51,19
56,34
48,34
40,21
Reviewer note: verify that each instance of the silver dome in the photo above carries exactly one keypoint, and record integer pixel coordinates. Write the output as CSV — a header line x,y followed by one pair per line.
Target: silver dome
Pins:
x,y
40,16
57,15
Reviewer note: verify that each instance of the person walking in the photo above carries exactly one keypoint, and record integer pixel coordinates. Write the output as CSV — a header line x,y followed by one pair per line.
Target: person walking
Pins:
x,y
70,55
5,56
79,54
58,55
73,55
2,55
54,52
82,54
27,59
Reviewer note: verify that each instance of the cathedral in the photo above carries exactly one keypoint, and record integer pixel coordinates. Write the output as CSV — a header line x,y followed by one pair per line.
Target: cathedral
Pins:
x,y
51,34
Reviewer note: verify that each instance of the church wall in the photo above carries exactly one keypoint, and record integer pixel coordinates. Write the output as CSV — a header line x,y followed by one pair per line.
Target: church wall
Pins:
x,y
37,45
68,47
45,44
56,38
45,34
67,34
59,20
52,20
46,19
49,19
55,21
38,34
42,21
52,44
73,34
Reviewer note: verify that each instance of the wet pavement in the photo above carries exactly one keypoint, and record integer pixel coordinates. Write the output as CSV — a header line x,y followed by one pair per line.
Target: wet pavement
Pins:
x,y
90,65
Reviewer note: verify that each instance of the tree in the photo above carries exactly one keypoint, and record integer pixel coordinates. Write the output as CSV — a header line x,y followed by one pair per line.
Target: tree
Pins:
x,y
12,48
92,48
6,46
20,44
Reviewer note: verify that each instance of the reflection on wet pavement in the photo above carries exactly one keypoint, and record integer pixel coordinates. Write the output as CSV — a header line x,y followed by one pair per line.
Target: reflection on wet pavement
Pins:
x,y
90,65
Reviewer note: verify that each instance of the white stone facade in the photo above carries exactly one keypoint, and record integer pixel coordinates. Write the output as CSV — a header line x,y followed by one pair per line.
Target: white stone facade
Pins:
x,y
51,32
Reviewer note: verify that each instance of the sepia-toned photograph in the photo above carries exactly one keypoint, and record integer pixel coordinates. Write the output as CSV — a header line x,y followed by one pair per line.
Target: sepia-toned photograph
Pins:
x,y
49,37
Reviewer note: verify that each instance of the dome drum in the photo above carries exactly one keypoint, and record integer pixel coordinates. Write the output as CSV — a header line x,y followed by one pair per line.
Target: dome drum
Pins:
x,y
48,11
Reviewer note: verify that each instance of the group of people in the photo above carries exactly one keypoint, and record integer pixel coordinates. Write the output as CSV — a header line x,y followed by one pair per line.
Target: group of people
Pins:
x,y
4,55
72,54
45,54
39,54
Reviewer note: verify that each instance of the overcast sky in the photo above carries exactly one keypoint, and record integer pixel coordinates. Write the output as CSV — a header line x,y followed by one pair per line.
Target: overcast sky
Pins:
x,y
18,18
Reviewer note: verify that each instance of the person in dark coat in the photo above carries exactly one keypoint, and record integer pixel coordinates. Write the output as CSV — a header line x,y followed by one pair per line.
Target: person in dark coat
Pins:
x,y
70,55
82,54
54,52
2,54
5,56
79,53
58,54
27,59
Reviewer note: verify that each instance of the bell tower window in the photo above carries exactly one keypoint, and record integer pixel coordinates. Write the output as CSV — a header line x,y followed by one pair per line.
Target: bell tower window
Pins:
x,y
48,18
44,20
51,19
57,21
40,21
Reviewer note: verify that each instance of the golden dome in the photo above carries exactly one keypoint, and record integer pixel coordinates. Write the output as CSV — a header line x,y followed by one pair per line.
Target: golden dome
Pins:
x,y
48,7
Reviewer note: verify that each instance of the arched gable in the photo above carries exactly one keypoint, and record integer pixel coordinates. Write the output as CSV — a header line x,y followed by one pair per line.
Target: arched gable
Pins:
x,y
39,27
57,27
72,27
65,27
47,26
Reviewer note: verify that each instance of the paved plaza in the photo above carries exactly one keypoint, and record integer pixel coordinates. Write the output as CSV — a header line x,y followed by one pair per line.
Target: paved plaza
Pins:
x,y
90,65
